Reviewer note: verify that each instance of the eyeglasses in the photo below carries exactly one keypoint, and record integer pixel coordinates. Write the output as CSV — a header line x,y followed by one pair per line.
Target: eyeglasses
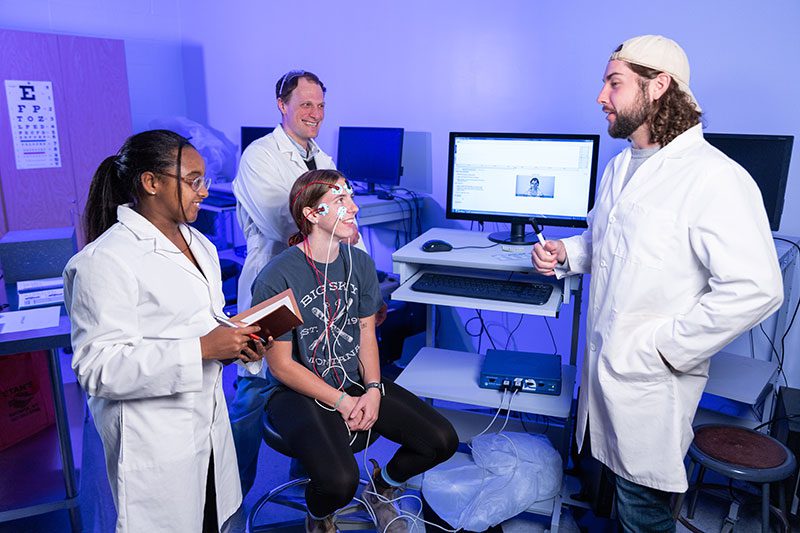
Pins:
x,y
288,77
196,184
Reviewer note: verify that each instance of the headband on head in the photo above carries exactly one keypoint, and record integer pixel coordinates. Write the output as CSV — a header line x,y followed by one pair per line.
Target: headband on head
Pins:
x,y
336,188
288,77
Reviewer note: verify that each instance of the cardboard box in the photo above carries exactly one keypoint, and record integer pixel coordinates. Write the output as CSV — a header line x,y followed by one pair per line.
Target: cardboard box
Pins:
x,y
26,397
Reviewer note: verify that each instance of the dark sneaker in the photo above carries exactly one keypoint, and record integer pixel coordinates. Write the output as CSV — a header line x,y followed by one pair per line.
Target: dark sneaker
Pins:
x,y
384,506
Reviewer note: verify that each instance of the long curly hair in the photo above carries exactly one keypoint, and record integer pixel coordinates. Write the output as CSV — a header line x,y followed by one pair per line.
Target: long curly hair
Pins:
x,y
672,114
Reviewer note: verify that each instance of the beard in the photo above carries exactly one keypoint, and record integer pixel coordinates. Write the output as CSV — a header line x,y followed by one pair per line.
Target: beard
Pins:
x,y
630,120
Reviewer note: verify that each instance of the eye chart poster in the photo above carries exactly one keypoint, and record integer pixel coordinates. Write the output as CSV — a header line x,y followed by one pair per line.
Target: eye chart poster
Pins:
x,y
31,110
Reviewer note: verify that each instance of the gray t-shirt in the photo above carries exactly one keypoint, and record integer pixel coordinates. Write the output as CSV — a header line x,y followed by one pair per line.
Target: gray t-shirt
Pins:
x,y
346,304
638,157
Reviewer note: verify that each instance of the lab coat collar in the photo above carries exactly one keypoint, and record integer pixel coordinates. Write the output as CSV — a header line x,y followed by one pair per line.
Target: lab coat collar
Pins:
x,y
682,142
286,146
144,230
673,150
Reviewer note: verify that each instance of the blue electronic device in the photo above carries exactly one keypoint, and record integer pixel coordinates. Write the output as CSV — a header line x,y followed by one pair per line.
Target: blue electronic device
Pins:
x,y
538,373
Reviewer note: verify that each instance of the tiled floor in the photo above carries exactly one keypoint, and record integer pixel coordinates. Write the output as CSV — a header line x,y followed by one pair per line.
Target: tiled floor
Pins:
x,y
98,513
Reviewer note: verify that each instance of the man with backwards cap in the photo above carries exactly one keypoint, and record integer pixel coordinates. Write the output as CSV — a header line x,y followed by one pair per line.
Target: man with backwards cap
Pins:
x,y
682,262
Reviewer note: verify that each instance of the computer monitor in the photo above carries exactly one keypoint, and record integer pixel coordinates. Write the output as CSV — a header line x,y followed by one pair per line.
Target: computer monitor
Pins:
x,y
371,155
251,133
511,177
766,158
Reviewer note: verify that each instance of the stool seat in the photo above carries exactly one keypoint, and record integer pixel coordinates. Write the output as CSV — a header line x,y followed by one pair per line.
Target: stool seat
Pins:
x,y
741,453
350,517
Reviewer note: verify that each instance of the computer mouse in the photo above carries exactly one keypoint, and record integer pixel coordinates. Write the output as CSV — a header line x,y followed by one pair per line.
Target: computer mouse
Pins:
x,y
436,245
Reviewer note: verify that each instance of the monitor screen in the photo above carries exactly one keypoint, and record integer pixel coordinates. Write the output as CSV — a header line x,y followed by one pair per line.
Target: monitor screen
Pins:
x,y
371,155
510,177
251,133
766,158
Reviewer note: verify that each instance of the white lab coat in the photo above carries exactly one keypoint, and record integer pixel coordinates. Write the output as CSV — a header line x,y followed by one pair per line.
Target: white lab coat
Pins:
x,y
267,171
138,308
682,262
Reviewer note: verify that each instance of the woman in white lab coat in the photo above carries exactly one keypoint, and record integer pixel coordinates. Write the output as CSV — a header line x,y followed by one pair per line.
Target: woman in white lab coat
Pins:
x,y
143,297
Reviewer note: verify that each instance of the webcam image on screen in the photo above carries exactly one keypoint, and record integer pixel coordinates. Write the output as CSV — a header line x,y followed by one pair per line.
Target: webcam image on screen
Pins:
x,y
536,185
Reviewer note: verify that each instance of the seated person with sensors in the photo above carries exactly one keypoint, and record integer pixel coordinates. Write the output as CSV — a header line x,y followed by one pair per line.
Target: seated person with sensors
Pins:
x,y
325,388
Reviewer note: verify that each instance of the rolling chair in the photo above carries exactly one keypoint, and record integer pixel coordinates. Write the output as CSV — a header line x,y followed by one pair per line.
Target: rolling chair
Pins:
x,y
352,517
739,454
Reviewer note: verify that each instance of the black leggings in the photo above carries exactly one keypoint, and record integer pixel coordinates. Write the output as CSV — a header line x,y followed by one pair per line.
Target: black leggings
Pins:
x,y
318,439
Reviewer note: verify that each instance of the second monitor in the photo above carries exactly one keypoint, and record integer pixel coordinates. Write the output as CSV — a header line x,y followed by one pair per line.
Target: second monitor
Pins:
x,y
510,177
371,155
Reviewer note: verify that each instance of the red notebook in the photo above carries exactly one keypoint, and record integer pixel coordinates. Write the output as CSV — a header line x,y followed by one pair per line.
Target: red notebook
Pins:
x,y
275,316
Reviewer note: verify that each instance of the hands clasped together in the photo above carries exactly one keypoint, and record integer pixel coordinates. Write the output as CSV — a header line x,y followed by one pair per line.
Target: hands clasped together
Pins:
x,y
360,412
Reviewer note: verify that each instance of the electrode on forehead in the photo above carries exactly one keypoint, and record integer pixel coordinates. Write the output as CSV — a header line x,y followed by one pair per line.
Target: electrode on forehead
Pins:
x,y
341,189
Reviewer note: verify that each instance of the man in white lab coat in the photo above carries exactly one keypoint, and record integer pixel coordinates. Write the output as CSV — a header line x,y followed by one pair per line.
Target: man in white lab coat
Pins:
x,y
267,171
682,262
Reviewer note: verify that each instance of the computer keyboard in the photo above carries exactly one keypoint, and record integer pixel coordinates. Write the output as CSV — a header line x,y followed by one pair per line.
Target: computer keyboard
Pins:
x,y
486,289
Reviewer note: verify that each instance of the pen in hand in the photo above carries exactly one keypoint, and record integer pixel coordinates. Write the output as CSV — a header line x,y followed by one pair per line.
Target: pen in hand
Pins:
x,y
226,322
538,230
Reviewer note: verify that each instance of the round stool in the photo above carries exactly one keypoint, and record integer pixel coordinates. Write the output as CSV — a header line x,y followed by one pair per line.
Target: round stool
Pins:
x,y
348,518
742,454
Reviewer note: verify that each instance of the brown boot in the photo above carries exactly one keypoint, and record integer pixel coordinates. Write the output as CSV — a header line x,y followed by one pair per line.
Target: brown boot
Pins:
x,y
326,525
384,506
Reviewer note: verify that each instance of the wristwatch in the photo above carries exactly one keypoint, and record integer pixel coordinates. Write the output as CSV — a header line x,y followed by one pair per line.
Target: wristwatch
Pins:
x,y
375,385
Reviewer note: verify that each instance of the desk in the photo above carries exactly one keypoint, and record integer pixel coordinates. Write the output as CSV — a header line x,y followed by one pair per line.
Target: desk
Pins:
x,y
33,472
410,262
453,376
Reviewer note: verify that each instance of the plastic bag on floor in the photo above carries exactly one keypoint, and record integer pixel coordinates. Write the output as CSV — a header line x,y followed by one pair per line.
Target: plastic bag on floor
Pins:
x,y
511,471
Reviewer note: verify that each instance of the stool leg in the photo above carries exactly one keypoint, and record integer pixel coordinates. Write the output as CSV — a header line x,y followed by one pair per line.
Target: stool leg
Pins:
x,y
782,503
765,508
693,500
676,511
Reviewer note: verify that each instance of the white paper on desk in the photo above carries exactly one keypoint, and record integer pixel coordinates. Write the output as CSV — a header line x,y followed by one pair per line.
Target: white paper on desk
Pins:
x,y
44,317
512,256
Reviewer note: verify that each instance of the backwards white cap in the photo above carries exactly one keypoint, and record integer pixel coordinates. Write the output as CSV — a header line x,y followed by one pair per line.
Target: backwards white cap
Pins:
x,y
659,53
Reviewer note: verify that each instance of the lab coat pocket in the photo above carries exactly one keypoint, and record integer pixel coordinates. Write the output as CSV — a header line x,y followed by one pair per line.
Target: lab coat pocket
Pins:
x,y
629,353
157,431
646,235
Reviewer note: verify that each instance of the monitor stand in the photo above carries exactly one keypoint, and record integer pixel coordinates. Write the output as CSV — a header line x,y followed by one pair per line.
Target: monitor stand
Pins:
x,y
371,191
517,235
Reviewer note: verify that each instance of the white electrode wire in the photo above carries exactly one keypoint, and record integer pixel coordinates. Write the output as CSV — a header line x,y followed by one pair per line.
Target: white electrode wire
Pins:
x,y
499,408
468,509
350,434
346,294
508,411
331,347
414,518
325,294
